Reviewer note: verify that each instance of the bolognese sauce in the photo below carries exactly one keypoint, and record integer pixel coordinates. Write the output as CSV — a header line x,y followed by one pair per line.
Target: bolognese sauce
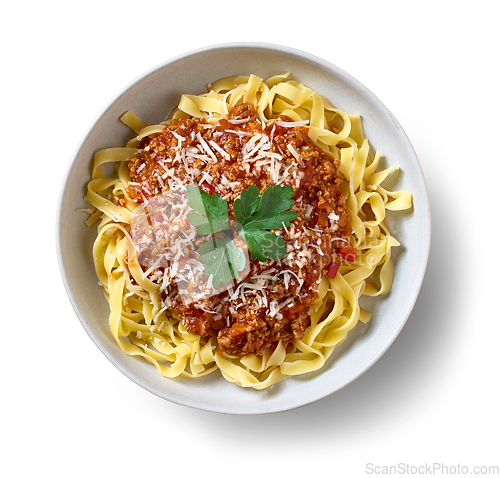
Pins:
x,y
270,301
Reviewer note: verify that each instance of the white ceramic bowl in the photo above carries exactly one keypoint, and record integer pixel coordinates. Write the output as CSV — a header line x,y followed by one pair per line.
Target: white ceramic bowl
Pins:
x,y
151,97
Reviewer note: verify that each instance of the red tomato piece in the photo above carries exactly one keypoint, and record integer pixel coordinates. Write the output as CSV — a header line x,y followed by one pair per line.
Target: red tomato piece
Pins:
x,y
208,188
332,269
349,254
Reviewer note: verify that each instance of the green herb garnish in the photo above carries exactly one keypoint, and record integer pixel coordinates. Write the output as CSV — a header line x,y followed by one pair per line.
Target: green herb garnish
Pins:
x,y
211,215
254,215
221,259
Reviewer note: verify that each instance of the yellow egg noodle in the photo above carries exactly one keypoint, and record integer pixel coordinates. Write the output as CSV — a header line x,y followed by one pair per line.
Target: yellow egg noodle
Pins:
x,y
143,327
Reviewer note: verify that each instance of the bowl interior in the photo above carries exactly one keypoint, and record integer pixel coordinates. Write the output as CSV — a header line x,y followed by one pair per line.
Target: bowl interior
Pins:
x,y
151,97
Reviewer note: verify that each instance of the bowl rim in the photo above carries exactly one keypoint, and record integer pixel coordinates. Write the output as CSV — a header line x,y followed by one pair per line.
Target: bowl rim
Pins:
x,y
228,46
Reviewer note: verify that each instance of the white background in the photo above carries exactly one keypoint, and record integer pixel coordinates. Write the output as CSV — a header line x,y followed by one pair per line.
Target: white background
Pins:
x,y
431,399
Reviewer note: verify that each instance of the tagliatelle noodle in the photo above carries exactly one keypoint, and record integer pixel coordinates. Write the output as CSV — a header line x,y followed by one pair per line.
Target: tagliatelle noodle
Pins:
x,y
137,320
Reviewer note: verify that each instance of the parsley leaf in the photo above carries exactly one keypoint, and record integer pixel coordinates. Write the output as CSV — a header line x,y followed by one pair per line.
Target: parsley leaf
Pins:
x,y
211,215
220,256
221,259
263,244
255,216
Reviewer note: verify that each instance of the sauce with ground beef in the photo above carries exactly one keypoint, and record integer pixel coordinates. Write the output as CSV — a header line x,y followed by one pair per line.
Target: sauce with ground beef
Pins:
x,y
270,301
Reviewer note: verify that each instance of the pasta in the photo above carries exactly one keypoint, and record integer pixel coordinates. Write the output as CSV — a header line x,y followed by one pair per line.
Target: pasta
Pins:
x,y
144,318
